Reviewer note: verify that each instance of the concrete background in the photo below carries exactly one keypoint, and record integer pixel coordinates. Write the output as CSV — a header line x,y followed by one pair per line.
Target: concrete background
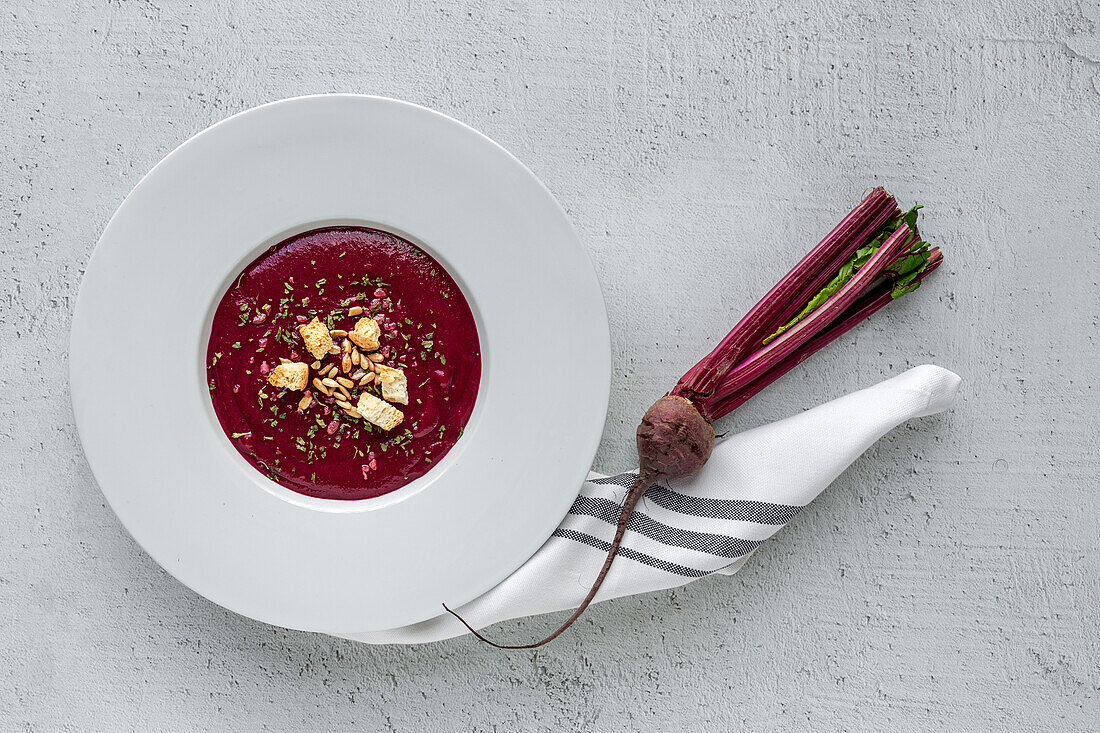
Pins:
x,y
950,578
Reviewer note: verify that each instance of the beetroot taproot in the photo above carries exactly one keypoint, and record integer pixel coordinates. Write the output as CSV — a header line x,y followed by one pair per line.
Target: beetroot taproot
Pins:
x,y
872,257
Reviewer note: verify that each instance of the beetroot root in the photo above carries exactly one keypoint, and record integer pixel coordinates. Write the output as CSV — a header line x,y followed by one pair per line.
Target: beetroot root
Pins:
x,y
872,257
674,440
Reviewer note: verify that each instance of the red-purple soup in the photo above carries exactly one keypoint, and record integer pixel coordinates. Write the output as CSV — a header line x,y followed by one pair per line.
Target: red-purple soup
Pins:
x,y
299,423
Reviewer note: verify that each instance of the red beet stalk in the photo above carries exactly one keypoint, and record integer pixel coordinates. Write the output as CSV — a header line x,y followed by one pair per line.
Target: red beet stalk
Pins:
x,y
873,256
792,292
863,309
765,358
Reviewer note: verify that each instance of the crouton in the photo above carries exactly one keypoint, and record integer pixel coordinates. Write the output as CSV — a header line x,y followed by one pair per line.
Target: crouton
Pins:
x,y
379,412
316,337
394,386
293,375
366,334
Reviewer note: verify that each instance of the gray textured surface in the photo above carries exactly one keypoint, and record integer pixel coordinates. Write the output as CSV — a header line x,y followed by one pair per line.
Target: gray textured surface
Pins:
x,y
949,578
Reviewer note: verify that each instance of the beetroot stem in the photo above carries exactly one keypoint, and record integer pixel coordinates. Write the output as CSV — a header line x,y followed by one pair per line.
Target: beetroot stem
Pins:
x,y
822,278
879,296
789,294
765,358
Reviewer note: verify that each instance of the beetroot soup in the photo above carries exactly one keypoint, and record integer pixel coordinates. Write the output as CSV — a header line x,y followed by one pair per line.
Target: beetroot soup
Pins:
x,y
343,363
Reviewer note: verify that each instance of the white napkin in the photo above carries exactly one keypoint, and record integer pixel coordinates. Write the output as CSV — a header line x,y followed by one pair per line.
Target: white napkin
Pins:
x,y
753,484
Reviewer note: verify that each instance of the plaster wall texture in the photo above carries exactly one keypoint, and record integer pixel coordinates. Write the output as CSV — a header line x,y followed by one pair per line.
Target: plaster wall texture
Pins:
x,y
949,578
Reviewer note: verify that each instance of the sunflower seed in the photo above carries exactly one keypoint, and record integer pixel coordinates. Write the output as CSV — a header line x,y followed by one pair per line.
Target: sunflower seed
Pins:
x,y
330,383
321,387
352,412
343,403
315,365
345,363
338,333
355,311
355,357
375,357
344,381
347,346
306,401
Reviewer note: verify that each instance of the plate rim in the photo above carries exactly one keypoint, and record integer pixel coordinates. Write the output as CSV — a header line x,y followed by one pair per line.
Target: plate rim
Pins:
x,y
84,422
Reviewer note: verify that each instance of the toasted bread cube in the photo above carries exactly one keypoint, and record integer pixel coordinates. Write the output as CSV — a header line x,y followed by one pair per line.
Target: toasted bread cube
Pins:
x,y
394,386
317,338
293,375
366,334
379,412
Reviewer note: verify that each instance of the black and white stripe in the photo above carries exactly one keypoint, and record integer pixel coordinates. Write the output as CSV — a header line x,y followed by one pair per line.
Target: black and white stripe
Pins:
x,y
627,552
744,510
713,544
696,553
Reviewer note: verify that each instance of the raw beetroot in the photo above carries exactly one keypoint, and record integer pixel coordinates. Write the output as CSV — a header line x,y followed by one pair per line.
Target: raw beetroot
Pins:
x,y
872,257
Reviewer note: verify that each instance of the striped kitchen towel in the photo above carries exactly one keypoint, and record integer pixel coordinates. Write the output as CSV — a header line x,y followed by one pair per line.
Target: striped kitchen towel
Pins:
x,y
709,523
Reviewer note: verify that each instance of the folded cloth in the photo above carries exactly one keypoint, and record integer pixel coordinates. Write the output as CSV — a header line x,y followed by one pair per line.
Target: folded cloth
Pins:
x,y
708,523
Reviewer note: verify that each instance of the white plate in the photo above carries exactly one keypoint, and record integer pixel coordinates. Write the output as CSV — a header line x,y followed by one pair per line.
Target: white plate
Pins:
x,y
143,319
